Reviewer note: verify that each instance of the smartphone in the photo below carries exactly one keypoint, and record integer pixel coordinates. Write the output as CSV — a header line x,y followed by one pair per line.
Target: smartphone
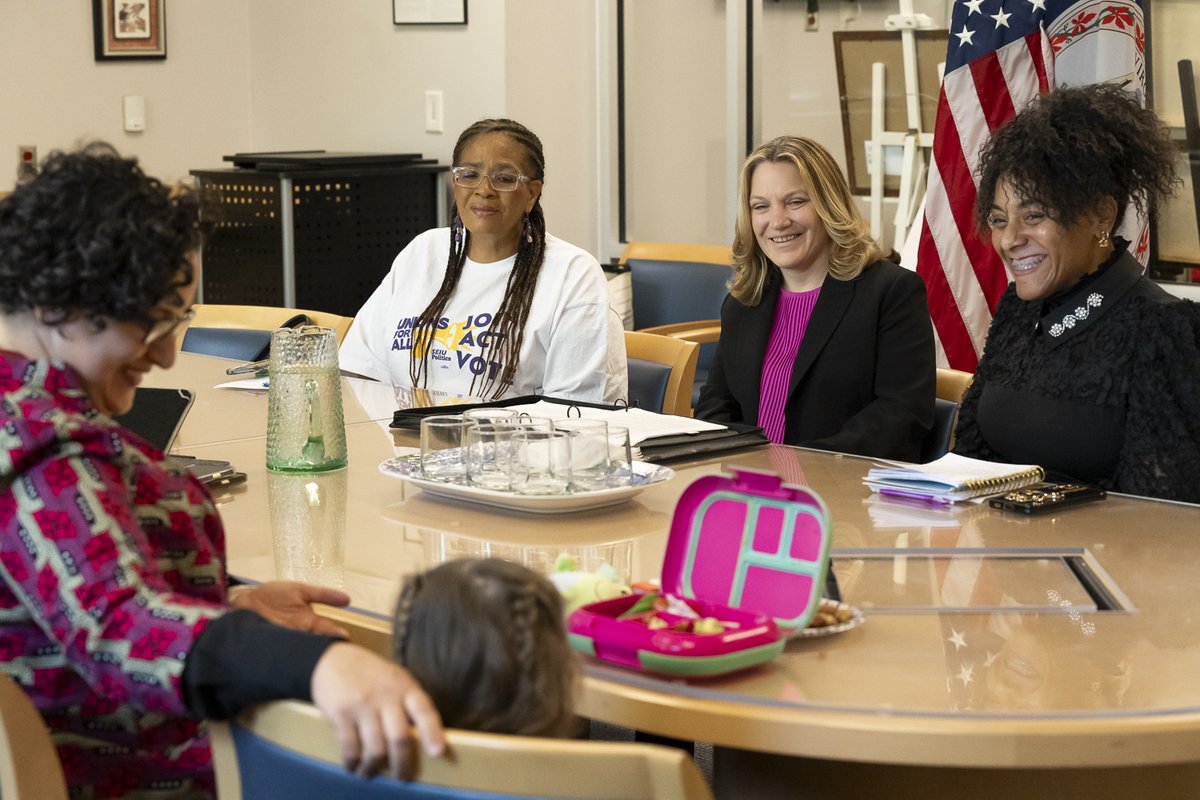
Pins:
x,y
206,470
1047,497
226,481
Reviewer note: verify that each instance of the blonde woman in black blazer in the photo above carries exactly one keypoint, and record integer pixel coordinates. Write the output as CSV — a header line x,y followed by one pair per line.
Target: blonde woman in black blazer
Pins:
x,y
860,378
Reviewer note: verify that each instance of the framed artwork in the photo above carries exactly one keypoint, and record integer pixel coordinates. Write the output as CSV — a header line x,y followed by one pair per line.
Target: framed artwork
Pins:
x,y
130,29
429,12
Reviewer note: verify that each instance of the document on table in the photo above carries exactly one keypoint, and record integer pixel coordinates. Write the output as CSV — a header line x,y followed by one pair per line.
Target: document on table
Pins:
x,y
642,424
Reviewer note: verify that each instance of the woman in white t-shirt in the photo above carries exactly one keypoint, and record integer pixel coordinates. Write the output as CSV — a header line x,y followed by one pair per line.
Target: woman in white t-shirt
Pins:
x,y
492,306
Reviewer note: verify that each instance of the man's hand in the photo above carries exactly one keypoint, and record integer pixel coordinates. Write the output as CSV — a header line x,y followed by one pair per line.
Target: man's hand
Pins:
x,y
289,603
372,702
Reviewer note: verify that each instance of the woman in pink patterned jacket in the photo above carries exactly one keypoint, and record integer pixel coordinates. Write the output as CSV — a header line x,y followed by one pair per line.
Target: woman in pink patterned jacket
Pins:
x,y
114,612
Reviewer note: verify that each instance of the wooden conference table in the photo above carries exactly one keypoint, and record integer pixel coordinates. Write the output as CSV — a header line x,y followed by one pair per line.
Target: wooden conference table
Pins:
x,y
987,666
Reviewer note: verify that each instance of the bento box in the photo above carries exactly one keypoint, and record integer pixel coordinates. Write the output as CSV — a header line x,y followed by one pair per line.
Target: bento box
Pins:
x,y
744,568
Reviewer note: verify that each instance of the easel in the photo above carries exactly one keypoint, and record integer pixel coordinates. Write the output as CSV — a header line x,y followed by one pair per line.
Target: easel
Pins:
x,y
1191,127
914,141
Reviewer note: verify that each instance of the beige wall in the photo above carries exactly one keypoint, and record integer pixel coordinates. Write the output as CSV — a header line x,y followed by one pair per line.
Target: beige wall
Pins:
x,y
53,93
550,62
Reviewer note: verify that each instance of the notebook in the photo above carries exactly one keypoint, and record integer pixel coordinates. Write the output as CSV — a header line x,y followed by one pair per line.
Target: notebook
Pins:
x,y
156,416
951,478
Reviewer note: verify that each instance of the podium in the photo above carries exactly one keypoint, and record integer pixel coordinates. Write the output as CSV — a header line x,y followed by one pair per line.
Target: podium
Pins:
x,y
314,229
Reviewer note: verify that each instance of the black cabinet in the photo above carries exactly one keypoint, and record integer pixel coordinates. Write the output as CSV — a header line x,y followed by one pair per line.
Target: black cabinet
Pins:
x,y
314,229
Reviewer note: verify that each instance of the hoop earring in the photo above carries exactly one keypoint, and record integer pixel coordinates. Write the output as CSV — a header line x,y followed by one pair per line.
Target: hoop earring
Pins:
x,y
528,231
1103,238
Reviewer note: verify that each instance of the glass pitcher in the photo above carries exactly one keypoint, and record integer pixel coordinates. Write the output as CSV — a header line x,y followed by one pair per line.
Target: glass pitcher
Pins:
x,y
305,428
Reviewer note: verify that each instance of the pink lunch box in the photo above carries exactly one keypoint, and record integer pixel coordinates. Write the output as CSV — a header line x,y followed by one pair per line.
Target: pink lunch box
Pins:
x,y
743,548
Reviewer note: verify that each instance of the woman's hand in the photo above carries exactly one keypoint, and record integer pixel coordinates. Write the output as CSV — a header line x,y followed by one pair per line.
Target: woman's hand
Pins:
x,y
372,702
289,603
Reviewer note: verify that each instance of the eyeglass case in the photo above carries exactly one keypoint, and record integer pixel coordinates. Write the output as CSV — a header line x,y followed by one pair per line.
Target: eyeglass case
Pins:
x,y
744,548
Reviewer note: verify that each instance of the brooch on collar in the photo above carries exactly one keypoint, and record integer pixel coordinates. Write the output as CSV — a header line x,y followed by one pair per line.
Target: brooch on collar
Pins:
x,y
1078,315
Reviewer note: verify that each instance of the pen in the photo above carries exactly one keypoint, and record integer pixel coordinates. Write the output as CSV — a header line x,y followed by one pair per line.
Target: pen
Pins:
x,y
259,368
924,498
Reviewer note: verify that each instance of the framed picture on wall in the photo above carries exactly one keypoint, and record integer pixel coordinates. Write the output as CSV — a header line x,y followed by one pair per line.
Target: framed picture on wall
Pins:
x,y
130,29
429,12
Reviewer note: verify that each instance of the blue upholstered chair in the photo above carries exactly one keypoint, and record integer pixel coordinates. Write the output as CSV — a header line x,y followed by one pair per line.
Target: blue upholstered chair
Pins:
x,y
951,386
677,283
244,332
289,749
661,372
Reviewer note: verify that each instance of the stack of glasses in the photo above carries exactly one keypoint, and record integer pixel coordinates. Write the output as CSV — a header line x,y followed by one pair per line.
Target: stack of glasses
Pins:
x,y
501,450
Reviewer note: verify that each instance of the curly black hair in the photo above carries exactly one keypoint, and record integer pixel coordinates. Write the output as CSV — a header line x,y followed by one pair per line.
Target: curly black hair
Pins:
x,y
1071,148
93,236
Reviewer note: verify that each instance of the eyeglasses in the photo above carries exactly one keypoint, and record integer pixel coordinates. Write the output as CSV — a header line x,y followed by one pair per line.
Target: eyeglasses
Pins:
x,y
469,178
165,327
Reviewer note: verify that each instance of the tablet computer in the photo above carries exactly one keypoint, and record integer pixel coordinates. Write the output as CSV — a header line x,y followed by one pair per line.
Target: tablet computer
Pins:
x,y
157,415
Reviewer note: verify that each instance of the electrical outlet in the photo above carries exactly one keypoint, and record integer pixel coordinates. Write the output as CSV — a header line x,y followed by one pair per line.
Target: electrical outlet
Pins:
x,y
811,19
27,168
434,121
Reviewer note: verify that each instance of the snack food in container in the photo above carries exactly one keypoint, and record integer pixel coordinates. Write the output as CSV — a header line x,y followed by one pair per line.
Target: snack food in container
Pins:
x,y
745,550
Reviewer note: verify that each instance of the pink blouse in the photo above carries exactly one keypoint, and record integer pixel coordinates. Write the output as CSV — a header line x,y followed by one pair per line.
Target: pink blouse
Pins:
x,y
791,320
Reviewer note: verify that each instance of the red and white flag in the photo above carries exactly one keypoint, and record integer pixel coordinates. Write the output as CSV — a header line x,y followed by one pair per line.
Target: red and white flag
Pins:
x,y
1001,54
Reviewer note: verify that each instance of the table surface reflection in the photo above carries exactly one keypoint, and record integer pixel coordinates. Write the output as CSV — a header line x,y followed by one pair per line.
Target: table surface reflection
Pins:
x,y
992,658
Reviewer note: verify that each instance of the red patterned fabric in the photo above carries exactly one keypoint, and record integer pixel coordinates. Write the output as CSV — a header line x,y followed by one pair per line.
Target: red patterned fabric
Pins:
x,y
112,566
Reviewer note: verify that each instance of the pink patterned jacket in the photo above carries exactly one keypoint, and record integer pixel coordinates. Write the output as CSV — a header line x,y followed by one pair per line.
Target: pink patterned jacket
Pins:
x,y
111,568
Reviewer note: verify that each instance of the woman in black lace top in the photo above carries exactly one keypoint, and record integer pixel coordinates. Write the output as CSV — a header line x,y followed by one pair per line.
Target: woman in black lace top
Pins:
x,y
1091,369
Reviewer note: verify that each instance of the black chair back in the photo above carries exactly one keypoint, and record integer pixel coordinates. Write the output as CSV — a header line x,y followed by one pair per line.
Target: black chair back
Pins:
x,y
937,441
648,384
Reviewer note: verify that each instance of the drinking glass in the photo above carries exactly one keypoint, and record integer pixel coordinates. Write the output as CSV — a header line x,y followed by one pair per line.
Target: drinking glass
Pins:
x,y
620,456
441,448
590,467
541,461
489,450
489,416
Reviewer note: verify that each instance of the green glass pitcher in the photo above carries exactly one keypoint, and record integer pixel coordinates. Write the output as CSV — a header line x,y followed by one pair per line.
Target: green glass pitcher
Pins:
x,y
305,428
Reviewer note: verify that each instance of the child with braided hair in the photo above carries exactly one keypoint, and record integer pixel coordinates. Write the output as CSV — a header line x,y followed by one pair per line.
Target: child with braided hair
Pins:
x,y
485,638
492,306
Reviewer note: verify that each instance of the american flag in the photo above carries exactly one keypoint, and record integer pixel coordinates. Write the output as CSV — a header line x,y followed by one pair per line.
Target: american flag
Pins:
x,y
1000,55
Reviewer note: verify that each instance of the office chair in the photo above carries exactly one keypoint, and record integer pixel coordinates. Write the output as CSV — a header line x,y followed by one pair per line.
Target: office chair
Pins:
x,y
29,765
939,439
244,332
676,283
289,749
661,372
951,386
952,383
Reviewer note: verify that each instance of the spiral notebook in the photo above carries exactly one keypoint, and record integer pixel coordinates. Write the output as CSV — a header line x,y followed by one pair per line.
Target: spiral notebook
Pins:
x,y
951,478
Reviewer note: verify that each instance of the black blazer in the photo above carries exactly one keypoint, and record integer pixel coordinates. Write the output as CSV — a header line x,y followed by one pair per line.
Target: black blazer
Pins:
x,y
864,378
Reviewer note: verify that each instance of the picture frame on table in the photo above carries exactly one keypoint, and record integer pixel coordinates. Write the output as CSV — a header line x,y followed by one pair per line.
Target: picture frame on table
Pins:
x,y
127,29
429,12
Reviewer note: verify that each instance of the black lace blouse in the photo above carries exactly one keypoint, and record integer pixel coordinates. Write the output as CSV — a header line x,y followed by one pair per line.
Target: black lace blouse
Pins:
x,y
1099,383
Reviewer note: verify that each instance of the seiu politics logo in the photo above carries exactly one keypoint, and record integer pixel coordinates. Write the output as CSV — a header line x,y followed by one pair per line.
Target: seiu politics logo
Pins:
x,y
459,344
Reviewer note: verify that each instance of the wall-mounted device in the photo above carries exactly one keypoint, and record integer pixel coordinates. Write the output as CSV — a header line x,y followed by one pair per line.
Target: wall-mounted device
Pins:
x,y
134,108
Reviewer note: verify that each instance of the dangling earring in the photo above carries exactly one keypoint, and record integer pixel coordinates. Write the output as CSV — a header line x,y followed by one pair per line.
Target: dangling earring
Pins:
x,y
456,230
528,231
1104,238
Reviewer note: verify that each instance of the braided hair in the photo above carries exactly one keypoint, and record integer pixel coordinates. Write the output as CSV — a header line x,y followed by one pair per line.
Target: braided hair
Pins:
x,y
508,326
485,638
